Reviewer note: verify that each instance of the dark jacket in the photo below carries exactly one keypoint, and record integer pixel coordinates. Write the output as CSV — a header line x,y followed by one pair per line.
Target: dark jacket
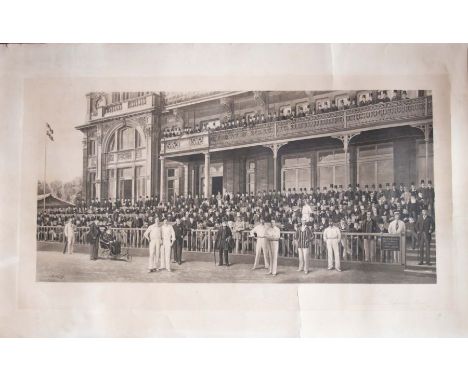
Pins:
x,y
425,226
180,231
223,239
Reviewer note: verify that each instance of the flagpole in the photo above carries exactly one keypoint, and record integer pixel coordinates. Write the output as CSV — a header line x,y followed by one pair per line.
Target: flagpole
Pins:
x,y
45,169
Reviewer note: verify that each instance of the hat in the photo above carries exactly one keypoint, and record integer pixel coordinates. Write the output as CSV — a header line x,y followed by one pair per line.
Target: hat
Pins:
x,y
357,185
366,186
422,181
388,184
429,182
380,186
349,185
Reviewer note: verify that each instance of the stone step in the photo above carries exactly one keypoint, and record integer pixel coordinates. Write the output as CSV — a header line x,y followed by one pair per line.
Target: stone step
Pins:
x,y
413,266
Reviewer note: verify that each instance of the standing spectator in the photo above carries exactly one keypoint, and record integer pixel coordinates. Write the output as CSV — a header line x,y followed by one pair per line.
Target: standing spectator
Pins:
x,y
396,227
69,236
153,235
93,238
168,238
303,238
180,232
273,235
259,232
332,236
369,226
223,241
424,228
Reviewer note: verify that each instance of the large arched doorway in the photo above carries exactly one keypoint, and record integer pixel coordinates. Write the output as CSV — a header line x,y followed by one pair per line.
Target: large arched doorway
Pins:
x,y
125,164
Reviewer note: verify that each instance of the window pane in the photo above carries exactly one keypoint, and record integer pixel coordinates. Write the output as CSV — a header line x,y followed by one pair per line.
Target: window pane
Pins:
x,y
421,163
339,155
325,156
170,172
340,175
325,176
385,171
303,178
366,151
289,179
127,139
422,149
384,149
366,173
296,162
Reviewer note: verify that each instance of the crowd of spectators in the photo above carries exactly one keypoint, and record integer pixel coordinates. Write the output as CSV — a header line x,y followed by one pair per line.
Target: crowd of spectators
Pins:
x,y
347,207
310,109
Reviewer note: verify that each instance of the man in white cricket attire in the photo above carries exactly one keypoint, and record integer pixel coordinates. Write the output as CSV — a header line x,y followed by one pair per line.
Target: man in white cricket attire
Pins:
x,y
69,233
168,238
332,236
154,235
262,244
273,234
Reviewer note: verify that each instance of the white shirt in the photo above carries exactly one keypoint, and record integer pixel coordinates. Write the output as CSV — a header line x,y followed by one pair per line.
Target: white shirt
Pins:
x,y
273,233
168,234
68,230
260,230
392,227
332,233
154,233
306,211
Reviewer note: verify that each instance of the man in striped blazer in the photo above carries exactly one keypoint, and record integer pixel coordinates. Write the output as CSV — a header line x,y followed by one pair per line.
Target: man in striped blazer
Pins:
x,y
303,239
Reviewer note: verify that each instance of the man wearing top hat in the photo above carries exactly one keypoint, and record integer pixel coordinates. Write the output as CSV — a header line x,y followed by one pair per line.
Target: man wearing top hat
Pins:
x,y
223,243
180,232
424,228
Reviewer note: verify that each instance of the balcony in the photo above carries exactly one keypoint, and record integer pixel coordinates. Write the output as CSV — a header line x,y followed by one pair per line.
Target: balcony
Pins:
x,y
381,115
128,106
129,155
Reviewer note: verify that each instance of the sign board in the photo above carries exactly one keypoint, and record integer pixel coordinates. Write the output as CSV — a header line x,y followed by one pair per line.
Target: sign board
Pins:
x,y
391,243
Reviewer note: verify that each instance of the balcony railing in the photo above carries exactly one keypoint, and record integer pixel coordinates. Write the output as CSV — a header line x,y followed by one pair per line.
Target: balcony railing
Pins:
x,y
130,105
351,245
408,111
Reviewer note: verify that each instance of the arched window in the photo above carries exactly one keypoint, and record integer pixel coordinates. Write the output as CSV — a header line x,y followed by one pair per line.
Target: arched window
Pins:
x,y
126,139
111,145
139,141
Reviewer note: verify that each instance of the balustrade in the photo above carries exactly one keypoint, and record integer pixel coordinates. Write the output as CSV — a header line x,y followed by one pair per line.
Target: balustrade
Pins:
x,y
203,240
408,111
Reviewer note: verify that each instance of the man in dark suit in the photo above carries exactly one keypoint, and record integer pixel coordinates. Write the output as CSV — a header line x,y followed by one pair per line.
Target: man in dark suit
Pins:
x,y
424,228
180,232
93,238
223,243
369,225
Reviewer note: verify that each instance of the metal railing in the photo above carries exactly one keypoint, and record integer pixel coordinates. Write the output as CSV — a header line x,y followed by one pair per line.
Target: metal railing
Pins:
x,y
353,246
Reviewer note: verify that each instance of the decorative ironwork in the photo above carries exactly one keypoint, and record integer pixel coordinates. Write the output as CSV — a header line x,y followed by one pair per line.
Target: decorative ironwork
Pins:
x,y
125,155
416,111
172,145
197,141
259,133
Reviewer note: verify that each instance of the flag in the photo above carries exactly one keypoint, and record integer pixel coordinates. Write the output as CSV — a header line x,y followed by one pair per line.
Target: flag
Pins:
x,y
50,132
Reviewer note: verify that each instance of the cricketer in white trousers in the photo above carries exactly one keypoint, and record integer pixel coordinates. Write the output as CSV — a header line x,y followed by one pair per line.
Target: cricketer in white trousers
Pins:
x,y
69,233
154,235
273,234
168,238
262,245
332,236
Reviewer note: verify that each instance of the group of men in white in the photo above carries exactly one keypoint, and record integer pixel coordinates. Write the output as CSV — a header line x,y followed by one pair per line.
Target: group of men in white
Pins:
x,y
162,237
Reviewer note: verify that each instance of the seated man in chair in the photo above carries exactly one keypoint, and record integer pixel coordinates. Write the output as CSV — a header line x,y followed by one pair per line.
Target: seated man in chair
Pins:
x,y
108,242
